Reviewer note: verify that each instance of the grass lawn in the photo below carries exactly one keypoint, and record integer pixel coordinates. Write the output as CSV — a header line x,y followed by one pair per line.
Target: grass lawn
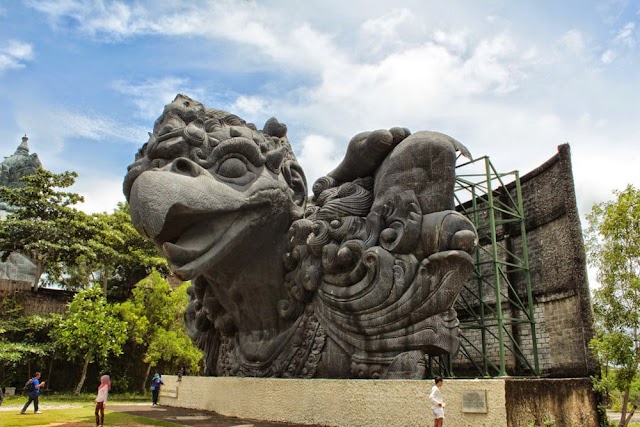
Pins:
x,y
70,411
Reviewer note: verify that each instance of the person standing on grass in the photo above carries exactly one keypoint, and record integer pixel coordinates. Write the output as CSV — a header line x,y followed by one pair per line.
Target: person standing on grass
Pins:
x,y
156,382
33,390
101,399
437,402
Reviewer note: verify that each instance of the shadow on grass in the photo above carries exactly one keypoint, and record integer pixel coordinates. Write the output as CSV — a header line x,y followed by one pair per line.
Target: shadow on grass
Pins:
x,y
77,417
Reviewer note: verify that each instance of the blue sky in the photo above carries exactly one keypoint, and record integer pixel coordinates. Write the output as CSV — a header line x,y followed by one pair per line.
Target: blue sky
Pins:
x,y
512,80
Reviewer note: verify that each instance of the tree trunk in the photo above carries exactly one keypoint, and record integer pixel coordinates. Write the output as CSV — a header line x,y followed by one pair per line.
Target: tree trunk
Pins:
x,y
146,376
623,416
84,374
50,374
633,409
38,274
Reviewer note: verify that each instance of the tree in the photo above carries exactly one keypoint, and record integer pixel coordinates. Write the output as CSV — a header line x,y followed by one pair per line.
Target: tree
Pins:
x,y
155,315
24,343
90,330
137,257
45,226
118,257
613,245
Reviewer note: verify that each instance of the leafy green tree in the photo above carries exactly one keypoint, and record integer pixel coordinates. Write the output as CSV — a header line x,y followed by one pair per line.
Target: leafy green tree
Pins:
x,y
118,257
24,343
155,315
90,331
613,245
136,256
45,226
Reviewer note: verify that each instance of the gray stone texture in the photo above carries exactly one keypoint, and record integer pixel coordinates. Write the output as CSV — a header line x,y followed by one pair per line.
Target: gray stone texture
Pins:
x,y
562,305
359,282
567,402
18,272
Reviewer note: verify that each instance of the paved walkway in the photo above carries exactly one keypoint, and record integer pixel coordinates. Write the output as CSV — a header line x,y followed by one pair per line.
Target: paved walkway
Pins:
x,y
182,416
615,416
191,417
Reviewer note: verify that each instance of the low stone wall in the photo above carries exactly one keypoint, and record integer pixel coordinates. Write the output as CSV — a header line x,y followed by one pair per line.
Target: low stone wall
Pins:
x,y
43,302
370,403
386,403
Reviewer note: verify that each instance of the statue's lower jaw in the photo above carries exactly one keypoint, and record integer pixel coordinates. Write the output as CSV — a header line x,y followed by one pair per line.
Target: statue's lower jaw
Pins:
x,y
233,234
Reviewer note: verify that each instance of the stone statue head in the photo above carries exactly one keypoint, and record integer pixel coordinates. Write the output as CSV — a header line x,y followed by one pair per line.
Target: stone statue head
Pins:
x,y
359,282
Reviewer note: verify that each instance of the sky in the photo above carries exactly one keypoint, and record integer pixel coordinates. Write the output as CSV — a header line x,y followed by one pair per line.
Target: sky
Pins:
x,y
512,80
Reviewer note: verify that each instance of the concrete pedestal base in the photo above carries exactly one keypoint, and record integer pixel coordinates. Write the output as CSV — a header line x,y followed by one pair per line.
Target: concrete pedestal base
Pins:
x,y
385,403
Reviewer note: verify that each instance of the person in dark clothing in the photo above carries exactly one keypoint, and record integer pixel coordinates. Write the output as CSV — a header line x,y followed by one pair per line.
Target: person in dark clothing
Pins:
x,y
182,371
33,391
156,382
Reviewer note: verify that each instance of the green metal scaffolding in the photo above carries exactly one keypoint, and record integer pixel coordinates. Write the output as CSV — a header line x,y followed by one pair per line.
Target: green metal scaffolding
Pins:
x,y
494,312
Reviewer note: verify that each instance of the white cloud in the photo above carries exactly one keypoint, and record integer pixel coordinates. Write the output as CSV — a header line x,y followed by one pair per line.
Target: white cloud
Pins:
x,y
386,25
250,106
388,31
152,95
14,54
56,125
494,65
626,35
319,156
477,75
101,193
114,19
410,87
608,56
625,41
91,126
455,41
573,41
19,50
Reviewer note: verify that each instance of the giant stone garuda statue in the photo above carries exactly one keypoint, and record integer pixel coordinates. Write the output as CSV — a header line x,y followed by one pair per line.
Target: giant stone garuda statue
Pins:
x,y
358,283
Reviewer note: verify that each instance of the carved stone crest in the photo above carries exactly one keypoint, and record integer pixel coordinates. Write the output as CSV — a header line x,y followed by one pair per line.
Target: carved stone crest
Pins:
x,y
358,282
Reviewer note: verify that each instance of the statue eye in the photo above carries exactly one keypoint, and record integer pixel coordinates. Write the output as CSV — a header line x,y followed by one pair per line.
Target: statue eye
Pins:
x,y
232,167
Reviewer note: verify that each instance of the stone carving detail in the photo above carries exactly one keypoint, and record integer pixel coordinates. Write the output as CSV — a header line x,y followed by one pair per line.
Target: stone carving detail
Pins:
x,y
359,282
15,167
18,271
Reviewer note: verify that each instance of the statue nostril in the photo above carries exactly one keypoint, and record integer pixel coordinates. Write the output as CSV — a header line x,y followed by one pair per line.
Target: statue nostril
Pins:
x,y
184,166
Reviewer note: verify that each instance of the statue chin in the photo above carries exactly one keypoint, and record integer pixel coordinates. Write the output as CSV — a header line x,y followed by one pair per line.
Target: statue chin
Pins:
x,y
362,285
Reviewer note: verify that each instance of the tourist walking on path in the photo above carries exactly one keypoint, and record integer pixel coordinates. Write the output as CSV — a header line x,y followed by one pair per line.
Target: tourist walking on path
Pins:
x,y
156,382
33,391
437,402
101,399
